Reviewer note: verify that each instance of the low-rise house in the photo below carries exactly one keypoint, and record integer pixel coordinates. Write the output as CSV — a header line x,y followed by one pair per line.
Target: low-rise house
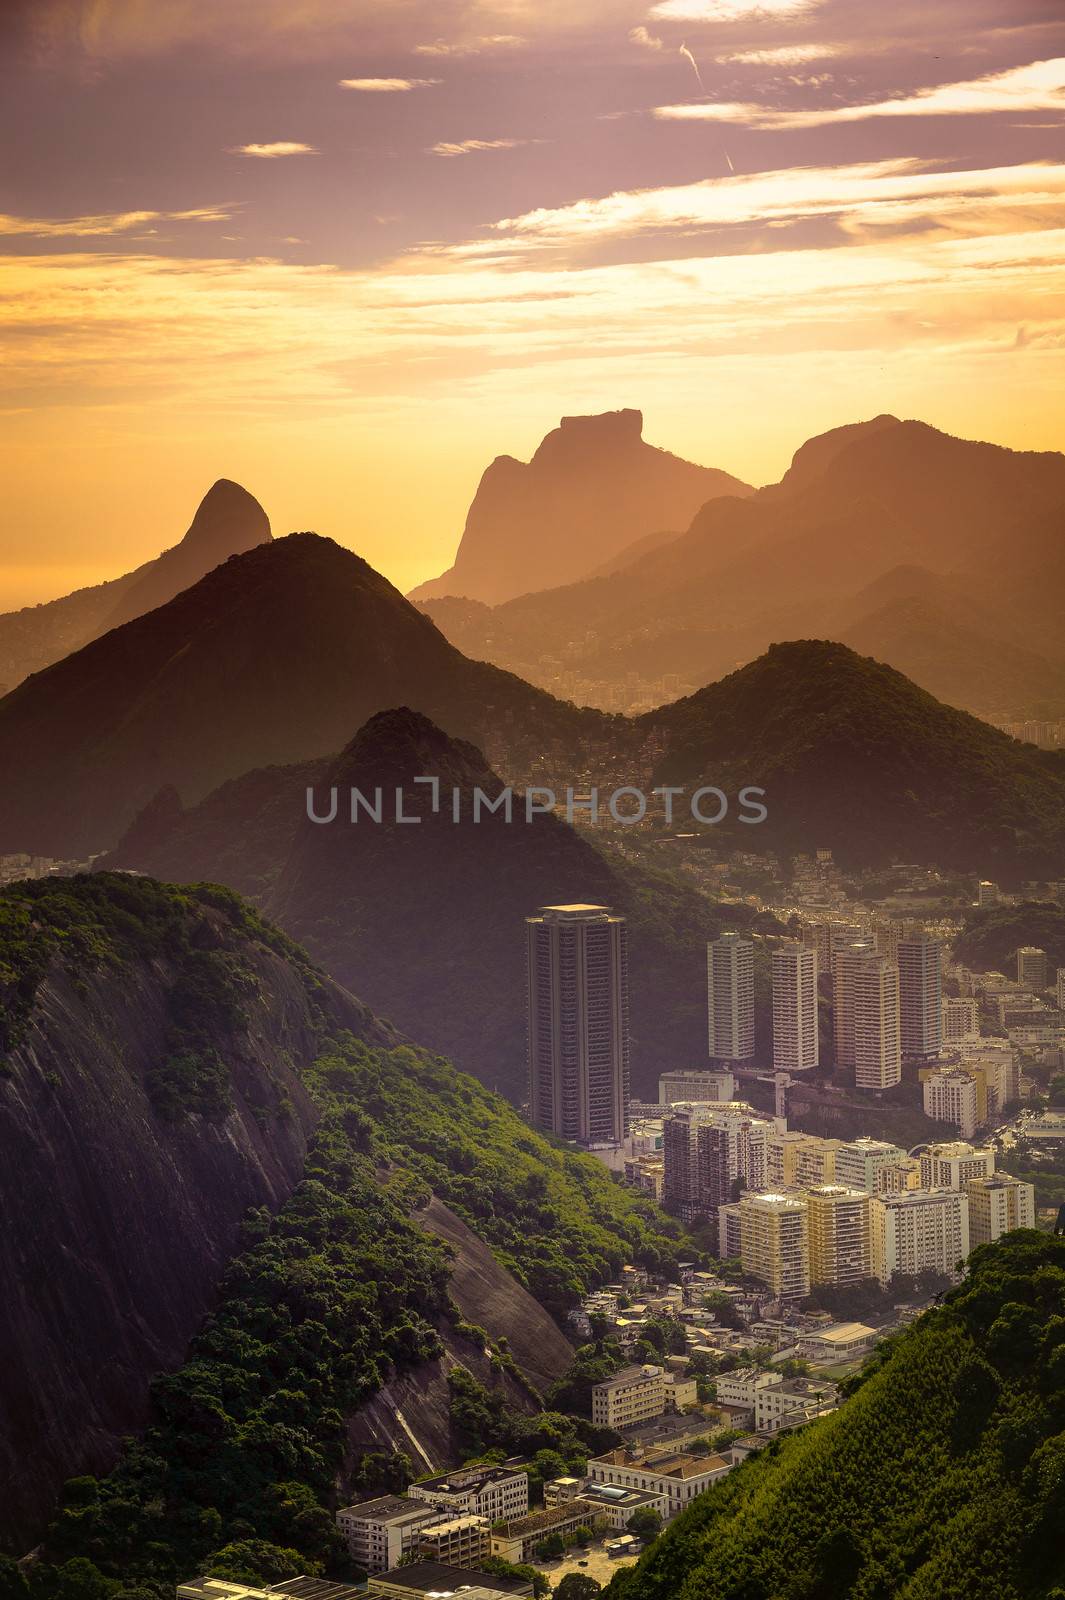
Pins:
x,y
516,1539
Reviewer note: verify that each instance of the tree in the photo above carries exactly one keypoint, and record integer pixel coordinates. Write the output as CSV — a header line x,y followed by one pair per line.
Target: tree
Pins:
x,y
578,1586
645,1522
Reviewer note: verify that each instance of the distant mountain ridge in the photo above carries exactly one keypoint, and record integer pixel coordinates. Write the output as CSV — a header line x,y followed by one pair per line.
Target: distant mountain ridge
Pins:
x,y
591,489
228,521
272,657
974,529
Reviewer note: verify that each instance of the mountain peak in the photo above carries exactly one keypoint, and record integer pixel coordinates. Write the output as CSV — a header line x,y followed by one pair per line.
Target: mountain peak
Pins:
x,y
229,517
593,487
812,459
398,745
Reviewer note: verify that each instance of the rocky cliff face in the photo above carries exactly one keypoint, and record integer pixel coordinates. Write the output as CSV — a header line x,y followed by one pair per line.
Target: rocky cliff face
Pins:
x,y
116,1223
592,488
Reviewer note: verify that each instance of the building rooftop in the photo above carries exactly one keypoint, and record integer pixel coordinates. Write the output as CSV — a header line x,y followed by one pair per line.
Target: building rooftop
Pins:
x,y
630,1375
545,1519
434,1577
386,1506
467,1479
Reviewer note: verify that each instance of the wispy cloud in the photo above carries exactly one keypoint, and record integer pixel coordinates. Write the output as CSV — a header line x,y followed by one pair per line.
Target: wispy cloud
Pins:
x,y
106,225
729,10
272,152
786,55
857,198
466,147
483,45
646,39
1038,86
387,85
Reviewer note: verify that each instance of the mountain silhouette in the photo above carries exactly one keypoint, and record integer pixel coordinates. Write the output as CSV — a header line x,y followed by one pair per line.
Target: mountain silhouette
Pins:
x,y
856,758
426,919
591,489
272,657
973,526
228,521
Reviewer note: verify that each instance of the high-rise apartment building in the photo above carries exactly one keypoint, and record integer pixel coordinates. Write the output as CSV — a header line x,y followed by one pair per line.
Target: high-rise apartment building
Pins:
x,y
693,1083
728,1231
847,961
695,1153
997,1205
775,1242
950,1166
578,1023
1032,968
961,1018
858,1162
730,998
877,1036
924,1230
951,1097
797,1160
920,964
839,1233
795,1040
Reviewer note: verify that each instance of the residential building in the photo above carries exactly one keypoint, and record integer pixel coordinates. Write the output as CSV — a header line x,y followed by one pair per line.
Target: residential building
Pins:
x,y
615,1505
995,1064
925,1230
876,1022
675,1477
987,893
695,1151
462,1541
516,1539
795,1032
381,1532
858,1161
839,1234
774,1242
729,1238
796,1160
791,1402
950,1166
686,1083
635,1394
897,1176
739,1387
997,1205
748,1136
681,1393
730,998
961,1018
578,1023
951,1097
1032,968
491,1492
1061,989
847,961
920,964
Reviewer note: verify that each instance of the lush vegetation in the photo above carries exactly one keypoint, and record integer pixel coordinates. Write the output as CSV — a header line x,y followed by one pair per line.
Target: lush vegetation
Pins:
x,y
855,756
200,936
991,938
942,1478
235,1473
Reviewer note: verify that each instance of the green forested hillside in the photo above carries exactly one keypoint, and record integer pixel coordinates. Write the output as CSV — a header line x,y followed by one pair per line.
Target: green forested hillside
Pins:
x,y
327,1299
991,938
942,1478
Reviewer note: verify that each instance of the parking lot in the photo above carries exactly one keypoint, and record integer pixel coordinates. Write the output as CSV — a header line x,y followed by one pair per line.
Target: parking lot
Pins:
x,y
597,1564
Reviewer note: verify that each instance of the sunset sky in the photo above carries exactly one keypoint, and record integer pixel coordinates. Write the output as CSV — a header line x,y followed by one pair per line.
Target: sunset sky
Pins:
x,y
346,251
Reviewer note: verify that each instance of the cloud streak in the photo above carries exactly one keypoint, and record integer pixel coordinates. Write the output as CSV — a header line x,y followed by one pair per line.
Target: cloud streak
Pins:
x,y
1038,86
387,85
466,147
107,225
274,151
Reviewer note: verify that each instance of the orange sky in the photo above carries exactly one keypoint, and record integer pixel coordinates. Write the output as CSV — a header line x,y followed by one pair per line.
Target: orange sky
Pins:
x,y
346,262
